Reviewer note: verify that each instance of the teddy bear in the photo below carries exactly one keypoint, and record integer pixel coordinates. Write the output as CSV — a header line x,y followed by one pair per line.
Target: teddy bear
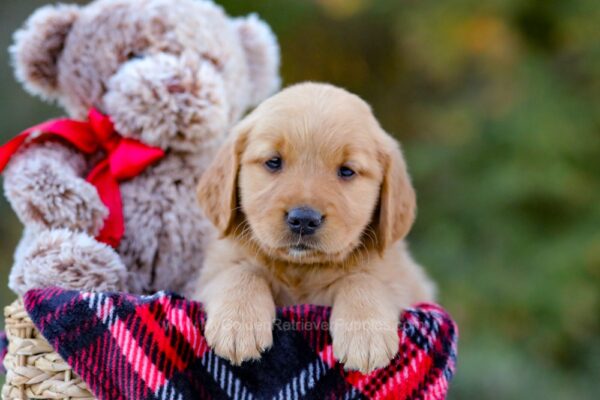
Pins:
x,y
167,75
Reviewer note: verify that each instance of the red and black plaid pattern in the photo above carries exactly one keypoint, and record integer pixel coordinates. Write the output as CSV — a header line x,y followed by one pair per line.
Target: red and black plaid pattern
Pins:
x,y
3,350
152,347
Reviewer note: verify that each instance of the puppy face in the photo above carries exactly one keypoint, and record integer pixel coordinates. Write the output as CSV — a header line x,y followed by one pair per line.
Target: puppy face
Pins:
x,y
309,177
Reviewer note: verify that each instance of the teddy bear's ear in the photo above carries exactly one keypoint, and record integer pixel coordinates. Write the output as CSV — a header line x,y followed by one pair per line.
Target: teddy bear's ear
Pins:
x,y
37,47
262,54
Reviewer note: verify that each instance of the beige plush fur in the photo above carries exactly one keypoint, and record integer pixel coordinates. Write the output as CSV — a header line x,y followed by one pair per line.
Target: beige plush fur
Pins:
x,y
356,262
171,73
69,259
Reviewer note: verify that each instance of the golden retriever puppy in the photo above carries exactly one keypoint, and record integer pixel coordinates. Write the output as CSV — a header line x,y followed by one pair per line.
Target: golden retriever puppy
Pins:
x,y
312,200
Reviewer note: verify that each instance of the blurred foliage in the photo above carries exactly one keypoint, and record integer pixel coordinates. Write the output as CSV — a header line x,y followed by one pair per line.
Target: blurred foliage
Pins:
x,y
496,104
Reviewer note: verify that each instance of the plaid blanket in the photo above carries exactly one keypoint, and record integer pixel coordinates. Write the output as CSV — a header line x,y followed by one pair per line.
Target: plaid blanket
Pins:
x,y
151,347
3,350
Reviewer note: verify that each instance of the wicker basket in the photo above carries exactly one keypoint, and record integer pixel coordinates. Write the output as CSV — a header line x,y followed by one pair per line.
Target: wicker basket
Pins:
x,y
34,369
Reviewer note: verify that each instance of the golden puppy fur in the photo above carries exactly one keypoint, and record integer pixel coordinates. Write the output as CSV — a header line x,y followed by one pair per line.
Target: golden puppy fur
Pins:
x,y
355,262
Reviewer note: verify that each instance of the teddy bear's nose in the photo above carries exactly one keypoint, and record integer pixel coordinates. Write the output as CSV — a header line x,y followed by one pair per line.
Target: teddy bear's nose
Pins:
x,y
175,86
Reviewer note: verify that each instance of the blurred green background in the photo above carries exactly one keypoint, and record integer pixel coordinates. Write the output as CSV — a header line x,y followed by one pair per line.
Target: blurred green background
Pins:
x,y
497,105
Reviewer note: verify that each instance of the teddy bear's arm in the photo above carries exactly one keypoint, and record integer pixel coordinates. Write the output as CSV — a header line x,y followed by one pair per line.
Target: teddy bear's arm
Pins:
x,y
44,185
67,259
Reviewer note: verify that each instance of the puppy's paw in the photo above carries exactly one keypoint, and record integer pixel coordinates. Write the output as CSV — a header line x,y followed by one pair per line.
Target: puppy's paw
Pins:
x,y
240,332
364,344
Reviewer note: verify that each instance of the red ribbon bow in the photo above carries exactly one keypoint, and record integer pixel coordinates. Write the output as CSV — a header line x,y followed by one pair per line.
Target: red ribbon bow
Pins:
x,y
125,158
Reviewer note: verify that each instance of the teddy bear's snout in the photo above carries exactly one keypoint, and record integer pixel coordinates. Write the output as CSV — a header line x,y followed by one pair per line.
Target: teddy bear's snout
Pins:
x,y
170,101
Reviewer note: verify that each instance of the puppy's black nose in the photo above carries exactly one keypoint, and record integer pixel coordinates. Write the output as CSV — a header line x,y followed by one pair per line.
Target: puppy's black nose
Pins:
x,y
304,220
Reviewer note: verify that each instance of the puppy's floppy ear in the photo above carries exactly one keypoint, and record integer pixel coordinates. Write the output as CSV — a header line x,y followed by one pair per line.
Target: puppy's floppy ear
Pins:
x,y
37,48
397,199
217,189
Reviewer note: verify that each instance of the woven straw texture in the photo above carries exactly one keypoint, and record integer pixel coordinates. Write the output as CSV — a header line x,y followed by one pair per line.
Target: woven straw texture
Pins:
x,y
34,370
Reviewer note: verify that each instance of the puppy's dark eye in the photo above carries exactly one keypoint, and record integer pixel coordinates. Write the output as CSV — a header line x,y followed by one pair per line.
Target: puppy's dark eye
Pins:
x,y
346,173
274,164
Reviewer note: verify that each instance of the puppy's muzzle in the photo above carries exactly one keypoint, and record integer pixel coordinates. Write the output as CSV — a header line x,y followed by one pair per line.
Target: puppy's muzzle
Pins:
x,y
304,220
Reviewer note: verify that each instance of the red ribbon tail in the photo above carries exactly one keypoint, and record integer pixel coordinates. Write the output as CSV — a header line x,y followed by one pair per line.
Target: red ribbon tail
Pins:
x,y
10,148
110,194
